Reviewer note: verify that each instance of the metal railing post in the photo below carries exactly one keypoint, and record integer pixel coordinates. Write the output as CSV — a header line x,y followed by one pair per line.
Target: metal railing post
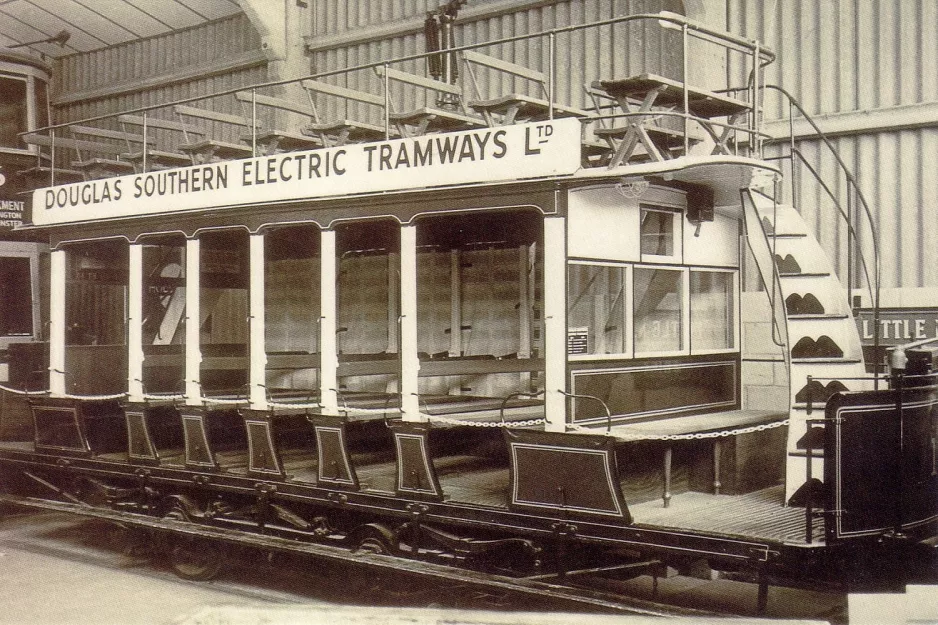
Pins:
x,y
791,148
387,102
52,157
809,490
755,142
146,146
684,39
551,73
253,121
852,239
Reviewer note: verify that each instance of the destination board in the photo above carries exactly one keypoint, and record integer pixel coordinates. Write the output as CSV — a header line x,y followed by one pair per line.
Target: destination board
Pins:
x,y
496,154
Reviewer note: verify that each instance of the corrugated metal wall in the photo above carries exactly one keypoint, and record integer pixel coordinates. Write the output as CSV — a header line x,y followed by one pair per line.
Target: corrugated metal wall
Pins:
x,y
845,55
583,56
176,53
842,56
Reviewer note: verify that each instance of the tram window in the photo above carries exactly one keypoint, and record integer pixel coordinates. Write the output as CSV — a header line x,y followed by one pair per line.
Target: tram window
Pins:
x,y
164,294
13,115
16,314
96,295
291,291
223,310
42,103
164,315
596,315
711,310
658,232
658,301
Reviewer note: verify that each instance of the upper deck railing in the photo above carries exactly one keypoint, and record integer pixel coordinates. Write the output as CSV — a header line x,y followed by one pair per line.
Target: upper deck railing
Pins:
x,y
259,118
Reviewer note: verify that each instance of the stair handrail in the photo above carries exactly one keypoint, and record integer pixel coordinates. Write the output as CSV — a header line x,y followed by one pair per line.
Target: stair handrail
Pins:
x,y
853,185
776,278
850,229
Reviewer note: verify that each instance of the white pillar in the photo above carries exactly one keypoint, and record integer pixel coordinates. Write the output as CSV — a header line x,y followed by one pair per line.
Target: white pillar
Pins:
x,y
524,303
193,324
135,356
455,304
328,309
257,376
555,323
57,323
410,362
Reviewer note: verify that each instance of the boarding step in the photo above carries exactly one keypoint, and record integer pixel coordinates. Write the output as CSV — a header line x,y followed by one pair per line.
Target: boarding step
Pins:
x,y
771,231
823,296
817,316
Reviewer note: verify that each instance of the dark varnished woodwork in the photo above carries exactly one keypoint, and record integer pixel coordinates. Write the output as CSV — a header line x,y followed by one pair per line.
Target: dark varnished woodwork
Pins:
x,y
555,473
416,476
335,468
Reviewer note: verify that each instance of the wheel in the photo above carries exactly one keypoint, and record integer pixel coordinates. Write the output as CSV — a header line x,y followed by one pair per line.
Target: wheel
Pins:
x,y
191,557
375,538
129,541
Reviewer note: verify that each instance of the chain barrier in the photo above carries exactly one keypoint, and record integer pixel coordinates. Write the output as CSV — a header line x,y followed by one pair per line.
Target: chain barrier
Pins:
x,y
21,392
483,424
685,437
94,397
439,419
225,402
173,397
306,406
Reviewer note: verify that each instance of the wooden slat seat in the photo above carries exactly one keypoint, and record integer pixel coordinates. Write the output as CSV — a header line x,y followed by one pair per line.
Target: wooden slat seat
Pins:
x,y
429,119
516,107
41,175
660,93
97,162
273,140
211,150
93,159
701,103
343,130
513,107
157,159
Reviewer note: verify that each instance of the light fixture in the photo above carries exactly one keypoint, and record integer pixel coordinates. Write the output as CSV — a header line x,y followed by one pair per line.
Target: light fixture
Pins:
x,y
60,38
632,188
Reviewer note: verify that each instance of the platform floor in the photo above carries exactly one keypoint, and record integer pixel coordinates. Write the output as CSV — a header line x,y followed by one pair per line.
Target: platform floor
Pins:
x,y
760,514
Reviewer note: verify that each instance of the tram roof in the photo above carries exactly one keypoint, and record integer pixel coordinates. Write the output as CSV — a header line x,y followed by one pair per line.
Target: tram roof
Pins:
x,y
95,24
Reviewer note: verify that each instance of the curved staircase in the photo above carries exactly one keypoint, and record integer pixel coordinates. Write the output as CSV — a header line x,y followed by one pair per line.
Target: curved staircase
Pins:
x,y
823,345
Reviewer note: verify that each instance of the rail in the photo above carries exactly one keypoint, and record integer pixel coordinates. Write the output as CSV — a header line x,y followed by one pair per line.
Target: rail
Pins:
x,y
754,55
854,196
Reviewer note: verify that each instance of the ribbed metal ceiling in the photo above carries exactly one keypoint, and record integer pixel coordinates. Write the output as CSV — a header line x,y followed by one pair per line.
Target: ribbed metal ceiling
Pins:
x,y
94,24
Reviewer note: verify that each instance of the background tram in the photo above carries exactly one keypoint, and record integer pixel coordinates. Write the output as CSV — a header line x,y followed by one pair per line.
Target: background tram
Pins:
x,y
24,106
525,336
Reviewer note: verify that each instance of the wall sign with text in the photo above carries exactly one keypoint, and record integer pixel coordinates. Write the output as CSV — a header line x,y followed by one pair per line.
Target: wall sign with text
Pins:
x,y
898,325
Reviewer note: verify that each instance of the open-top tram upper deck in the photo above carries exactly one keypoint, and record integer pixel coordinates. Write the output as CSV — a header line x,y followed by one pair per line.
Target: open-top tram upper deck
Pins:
x,y
507,320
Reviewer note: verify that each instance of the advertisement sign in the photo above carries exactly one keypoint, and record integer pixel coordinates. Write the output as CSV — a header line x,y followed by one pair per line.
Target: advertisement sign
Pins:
x,y
485,155
12,206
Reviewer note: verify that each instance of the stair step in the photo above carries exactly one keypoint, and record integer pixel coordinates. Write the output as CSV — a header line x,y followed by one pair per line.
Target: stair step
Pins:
x,y
827,361
803,274
817,409
816,316
803,453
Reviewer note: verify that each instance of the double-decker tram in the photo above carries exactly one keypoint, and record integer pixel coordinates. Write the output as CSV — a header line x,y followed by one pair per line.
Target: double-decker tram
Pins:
x,y
534,338
24,106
